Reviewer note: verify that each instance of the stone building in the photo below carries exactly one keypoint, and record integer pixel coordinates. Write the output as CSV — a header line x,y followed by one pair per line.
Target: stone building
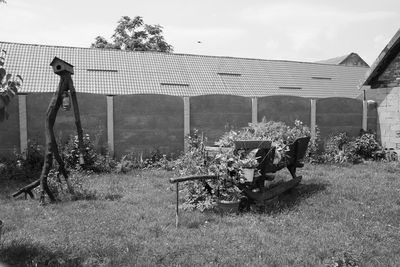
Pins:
x,y
384,81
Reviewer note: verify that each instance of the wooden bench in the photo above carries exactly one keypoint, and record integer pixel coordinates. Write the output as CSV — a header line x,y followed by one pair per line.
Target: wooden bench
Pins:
x,y
266,152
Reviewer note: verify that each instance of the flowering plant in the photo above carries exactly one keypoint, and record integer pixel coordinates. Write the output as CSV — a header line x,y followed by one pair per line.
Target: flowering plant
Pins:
x,y
249,162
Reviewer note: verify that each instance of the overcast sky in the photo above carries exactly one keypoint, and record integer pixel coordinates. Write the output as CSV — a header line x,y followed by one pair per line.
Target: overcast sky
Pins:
x,y
301,30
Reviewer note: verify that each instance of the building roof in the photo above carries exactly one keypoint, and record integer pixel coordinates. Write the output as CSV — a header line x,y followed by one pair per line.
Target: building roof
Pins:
x,y
391,50
345,60
115,72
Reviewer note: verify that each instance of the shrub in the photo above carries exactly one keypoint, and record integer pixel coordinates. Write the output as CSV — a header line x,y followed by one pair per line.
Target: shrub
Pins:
x,y
365,146
341,148
94,161
23,167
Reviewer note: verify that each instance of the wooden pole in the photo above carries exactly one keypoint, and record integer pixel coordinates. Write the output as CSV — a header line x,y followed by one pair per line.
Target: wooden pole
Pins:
x,y
77,121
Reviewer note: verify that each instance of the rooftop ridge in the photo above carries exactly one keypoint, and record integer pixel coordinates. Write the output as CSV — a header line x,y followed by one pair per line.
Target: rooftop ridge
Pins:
x,y
181,54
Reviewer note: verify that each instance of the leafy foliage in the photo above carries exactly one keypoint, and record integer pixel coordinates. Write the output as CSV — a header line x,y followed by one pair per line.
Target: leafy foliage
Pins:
x,y
277,132
135,35
9,85
20,167
94,161
341,148
227,164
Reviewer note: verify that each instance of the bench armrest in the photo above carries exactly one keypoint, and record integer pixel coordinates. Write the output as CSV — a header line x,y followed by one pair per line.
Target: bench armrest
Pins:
x,y
192,178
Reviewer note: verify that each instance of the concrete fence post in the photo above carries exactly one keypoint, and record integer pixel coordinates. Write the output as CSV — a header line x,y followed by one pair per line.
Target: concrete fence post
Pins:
x,y
313,118
110,125
365,115
254,110
186,119
23,125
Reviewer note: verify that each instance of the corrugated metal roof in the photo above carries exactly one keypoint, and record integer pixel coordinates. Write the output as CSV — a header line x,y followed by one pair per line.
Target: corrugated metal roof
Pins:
x,y
114,72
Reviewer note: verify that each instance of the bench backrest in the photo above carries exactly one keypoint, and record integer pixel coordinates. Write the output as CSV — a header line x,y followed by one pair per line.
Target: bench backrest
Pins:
x,y
298,149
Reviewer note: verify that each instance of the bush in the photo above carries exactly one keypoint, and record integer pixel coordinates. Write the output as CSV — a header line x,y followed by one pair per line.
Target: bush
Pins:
x,y
22,167
94,161
341,148
365,146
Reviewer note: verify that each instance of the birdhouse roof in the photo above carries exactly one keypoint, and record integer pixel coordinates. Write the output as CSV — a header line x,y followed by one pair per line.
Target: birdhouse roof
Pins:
x,y
56,59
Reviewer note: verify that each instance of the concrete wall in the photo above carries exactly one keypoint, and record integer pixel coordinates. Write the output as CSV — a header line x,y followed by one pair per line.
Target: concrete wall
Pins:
x,y
339,115
216,114
9,129
93,113
285,108
143,123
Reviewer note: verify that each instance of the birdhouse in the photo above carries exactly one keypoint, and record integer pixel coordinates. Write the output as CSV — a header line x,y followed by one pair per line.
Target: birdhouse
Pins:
x,y
60,66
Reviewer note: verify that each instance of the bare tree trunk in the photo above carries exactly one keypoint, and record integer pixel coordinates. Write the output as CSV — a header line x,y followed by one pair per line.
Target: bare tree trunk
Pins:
x,y
77,122
51,148
51,145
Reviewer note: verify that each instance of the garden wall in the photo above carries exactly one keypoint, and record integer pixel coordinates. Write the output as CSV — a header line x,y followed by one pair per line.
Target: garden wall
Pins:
x,y
143,123
285,108
9,129
215,114
93,113
339,115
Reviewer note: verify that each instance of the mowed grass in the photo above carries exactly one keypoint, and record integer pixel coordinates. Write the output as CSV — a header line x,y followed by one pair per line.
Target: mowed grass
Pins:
x,y
338,212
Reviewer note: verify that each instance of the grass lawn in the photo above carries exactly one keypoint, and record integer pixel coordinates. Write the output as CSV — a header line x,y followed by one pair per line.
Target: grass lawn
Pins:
x,y
338,212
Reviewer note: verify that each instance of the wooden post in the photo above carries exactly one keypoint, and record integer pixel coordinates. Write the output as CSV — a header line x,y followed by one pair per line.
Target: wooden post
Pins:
x,y
110,125
254,110
23,128
313,118
186,119
365,115
177,206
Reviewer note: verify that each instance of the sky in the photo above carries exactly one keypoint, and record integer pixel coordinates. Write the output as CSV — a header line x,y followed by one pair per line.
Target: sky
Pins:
x,y
301,30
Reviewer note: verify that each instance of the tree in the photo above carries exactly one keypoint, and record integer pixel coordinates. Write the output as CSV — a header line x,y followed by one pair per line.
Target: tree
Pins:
x,y
9,85
134,35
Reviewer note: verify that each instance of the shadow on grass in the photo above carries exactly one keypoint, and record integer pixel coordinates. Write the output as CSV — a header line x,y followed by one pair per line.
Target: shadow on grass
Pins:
x,y
293,197
26,253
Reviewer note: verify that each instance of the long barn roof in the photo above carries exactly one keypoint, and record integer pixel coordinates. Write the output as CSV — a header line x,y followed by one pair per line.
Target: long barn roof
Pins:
x,y
114,72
